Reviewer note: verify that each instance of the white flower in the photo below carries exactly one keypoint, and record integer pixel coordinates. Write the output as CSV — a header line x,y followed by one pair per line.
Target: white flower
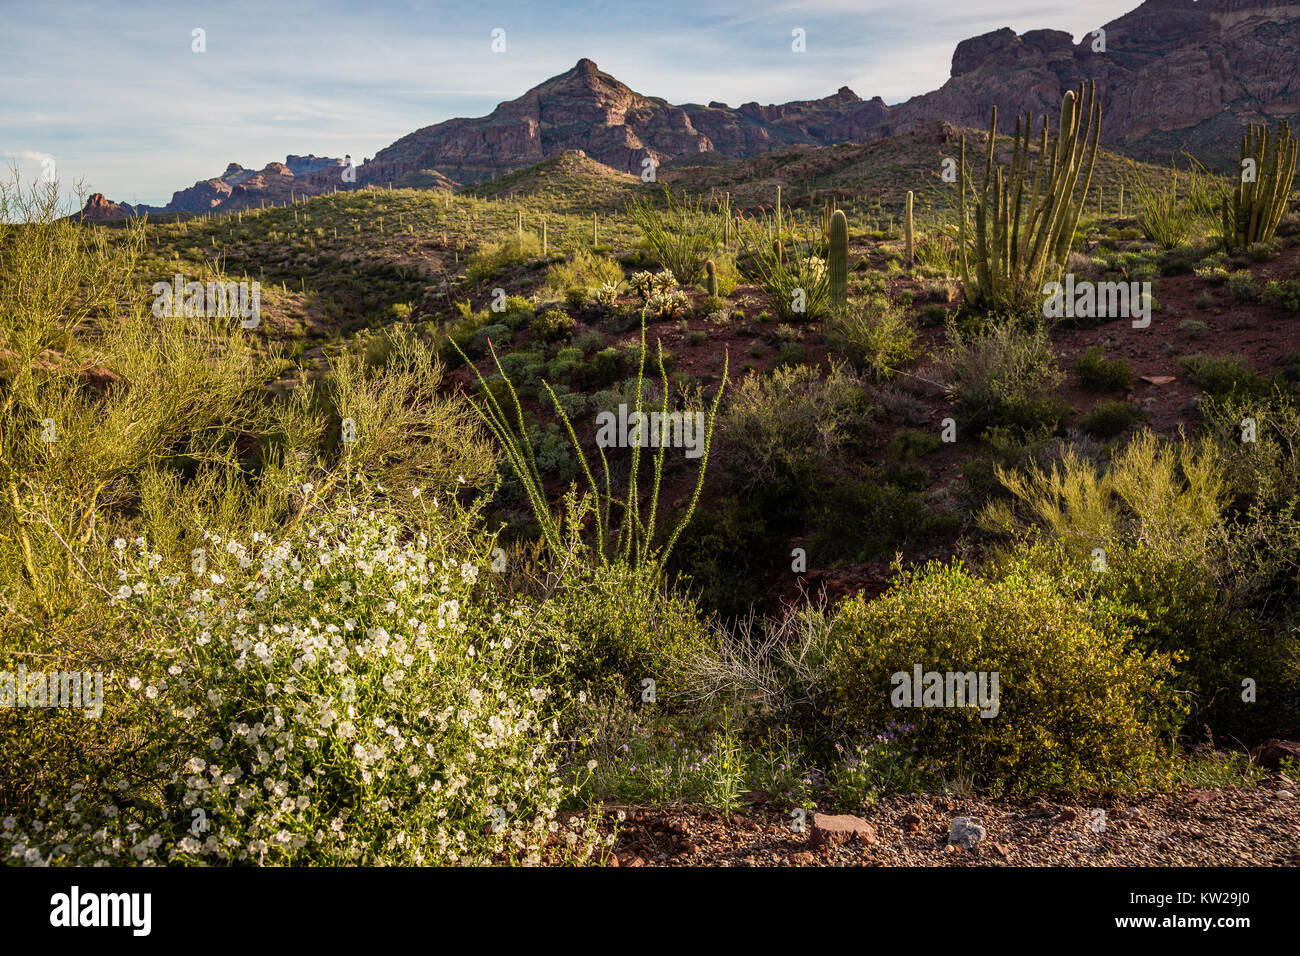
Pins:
x,y
119,543
133,683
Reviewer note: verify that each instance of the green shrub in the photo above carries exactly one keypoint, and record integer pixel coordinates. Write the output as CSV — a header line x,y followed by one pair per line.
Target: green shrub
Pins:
x,y
783,431
1284,294
874,338
718,555
790,353
864,519
1101,374
494,257
909,445
1075,707
1109,418
1224,375
1243,286
1003,377
1198,570
553,325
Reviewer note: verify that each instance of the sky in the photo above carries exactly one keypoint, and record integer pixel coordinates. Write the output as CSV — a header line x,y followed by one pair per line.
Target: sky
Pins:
x,y
116,97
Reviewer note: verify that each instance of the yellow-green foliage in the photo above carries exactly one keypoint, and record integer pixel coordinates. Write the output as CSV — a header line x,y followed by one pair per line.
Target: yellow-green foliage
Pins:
x,y
1167,496
583,270
1075,704
1197,575
492,257
875,335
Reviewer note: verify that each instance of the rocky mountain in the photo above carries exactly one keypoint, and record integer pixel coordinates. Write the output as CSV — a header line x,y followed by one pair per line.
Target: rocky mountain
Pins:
x,y
240,188
589,110
1172,74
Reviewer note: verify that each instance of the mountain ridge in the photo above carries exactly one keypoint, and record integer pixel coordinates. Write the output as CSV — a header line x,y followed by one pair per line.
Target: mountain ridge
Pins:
x,y
1173,74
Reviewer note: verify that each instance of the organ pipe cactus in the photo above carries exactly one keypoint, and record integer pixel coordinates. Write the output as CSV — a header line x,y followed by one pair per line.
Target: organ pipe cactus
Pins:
x,y
837,259
1251,213
1024,228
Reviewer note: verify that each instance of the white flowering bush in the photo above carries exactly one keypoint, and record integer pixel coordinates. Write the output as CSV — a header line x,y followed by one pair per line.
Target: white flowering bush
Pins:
x,y
345,695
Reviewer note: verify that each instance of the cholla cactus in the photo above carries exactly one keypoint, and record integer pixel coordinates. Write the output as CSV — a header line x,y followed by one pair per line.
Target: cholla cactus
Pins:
x,y
605,295
642,283
665,281
666,304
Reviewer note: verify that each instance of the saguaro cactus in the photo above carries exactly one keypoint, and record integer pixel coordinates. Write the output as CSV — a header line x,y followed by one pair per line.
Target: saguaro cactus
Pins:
x,y
911,245
1023,232
711,279
837,259
1264,182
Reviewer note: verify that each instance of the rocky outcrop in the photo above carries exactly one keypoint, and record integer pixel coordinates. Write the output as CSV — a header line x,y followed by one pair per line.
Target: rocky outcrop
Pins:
x,y
1174,74
100,209
240,188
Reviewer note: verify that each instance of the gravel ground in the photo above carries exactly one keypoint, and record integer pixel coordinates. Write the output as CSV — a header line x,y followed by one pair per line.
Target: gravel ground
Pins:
x,y
1256,826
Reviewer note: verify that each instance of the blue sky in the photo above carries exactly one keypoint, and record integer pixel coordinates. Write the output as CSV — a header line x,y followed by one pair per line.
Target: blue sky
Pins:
x,y
115,94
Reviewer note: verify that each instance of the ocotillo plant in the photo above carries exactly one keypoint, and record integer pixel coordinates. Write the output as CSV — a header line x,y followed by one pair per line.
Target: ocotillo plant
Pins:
x,y
837,259
910,244
1267,172
711,279
1023,232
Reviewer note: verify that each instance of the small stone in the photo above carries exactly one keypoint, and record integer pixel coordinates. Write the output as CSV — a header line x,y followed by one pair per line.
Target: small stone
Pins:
x,y
828,829
1284,794
802,858
910,822
965,832
1068,815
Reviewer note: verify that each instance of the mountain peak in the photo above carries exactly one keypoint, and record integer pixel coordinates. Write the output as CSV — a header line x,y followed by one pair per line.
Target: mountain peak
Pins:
x,y
586,67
